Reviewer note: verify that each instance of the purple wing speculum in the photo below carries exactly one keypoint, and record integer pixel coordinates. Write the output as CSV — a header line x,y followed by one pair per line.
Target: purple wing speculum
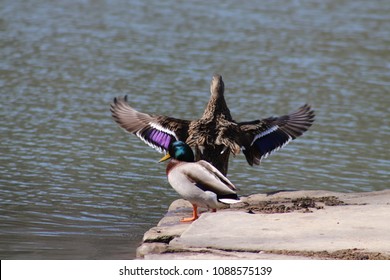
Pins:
x,y
157,137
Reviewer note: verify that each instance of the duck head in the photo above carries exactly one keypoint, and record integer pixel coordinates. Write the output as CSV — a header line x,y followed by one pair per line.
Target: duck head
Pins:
x,y
217,86
179,151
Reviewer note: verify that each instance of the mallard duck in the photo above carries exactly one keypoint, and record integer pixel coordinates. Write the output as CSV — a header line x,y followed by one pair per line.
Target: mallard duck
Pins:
x,y
215,135
198,182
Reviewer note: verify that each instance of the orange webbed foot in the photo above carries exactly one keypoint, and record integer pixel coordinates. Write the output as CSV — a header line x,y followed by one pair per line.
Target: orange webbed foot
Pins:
x,y
194,215
186,220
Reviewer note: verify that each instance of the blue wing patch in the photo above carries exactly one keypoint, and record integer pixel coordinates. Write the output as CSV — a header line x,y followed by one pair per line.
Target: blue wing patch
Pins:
x,y
271,140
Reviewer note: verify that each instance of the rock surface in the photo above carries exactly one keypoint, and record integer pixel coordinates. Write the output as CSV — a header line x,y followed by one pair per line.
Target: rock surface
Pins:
x,y
283,225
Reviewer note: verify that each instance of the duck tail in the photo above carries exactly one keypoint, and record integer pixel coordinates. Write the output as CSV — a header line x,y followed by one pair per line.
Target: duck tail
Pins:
x,y
229,198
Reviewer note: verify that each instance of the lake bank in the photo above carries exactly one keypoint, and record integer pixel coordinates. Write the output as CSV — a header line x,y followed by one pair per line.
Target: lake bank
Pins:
x,y
282,225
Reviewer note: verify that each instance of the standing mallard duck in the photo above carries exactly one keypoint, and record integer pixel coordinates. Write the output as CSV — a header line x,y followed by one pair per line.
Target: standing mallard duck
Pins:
x,y
215,135
198,182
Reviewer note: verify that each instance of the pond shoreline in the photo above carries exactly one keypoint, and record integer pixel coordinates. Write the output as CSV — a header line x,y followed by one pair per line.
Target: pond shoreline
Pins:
x,y
282,225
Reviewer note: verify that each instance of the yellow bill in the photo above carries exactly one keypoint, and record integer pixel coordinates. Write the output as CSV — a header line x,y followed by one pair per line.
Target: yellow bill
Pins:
x,y
167,156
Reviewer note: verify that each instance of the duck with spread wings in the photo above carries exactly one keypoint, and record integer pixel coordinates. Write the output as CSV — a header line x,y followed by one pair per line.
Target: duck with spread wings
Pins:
x,y
215,135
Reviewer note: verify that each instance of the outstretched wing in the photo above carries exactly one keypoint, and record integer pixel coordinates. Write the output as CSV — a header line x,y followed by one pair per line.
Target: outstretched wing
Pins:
x,y
155,130
262,137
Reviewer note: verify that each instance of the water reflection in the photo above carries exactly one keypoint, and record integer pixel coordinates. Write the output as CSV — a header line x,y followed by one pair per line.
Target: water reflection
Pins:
x,y
73,185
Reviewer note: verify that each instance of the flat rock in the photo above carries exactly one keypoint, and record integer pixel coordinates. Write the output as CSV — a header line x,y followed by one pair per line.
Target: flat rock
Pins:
x,y
284,225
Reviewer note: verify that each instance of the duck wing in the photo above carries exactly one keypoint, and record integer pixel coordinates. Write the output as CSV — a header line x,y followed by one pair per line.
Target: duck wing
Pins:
x,y
261,137
155,130
208,178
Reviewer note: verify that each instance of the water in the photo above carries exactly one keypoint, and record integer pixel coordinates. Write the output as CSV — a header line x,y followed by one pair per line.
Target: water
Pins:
x,y
75,186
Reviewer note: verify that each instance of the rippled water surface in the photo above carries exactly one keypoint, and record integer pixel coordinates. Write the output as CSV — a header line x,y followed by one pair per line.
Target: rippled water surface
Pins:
x,y
75,186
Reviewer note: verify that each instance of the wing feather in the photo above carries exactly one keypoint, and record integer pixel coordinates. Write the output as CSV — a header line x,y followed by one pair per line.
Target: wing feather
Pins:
x,y
262,137
156,131
208,178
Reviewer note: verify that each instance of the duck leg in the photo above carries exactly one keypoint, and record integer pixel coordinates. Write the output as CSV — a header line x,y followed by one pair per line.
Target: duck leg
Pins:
x,y
194,215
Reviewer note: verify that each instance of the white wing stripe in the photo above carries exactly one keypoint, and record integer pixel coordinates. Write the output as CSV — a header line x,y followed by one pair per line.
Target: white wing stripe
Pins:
x,y
160,128
264,133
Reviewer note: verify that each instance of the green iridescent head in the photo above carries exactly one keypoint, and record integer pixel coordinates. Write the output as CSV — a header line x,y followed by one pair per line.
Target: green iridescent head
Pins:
x,y
180,151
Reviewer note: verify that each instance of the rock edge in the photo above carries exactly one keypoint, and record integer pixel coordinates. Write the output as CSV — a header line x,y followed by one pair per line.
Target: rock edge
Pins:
x,y
282,225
